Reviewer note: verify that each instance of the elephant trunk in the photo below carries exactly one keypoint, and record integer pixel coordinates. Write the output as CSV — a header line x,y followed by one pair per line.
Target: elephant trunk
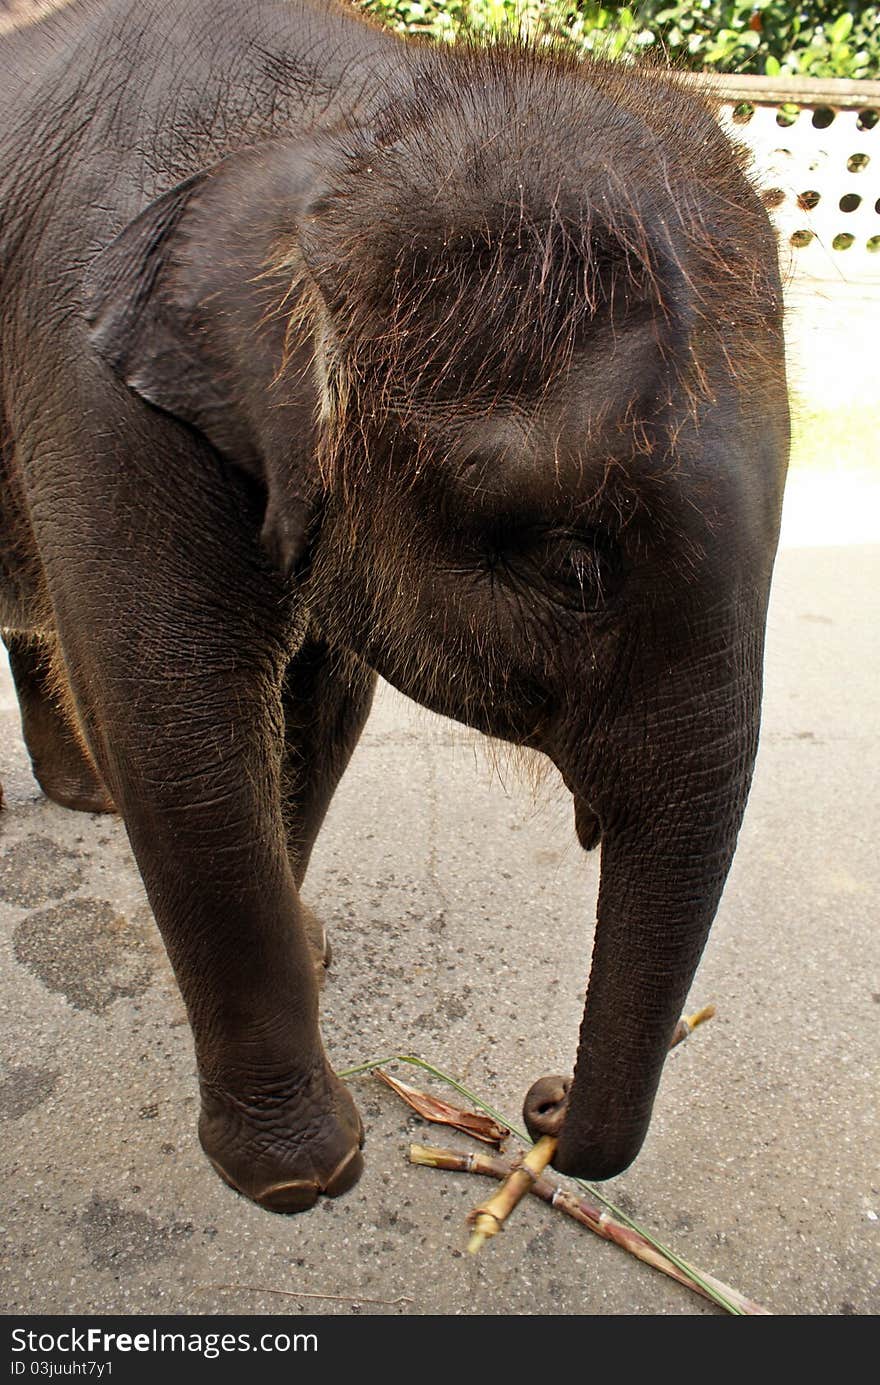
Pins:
x,y
669,829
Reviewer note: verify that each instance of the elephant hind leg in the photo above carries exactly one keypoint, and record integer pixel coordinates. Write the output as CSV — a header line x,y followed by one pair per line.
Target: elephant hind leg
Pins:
x,y
62,765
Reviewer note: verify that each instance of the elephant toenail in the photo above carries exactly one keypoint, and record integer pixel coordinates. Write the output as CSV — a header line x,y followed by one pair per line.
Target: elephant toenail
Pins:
x,y
297,1195
346,1173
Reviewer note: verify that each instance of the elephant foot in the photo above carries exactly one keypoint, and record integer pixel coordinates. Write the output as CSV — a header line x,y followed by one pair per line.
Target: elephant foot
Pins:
x,y
284,1153
74,787
318,941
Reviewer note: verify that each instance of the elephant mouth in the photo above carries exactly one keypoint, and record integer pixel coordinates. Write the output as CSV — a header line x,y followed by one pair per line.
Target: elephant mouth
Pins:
x,y
586,824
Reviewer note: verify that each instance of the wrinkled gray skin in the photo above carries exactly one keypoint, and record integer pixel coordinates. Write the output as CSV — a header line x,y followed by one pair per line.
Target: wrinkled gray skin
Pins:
x,y
197,588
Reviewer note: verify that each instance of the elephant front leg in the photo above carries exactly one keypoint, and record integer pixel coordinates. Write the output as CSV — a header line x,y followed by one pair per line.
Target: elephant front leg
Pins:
x,y
327,695
275,1121
197,779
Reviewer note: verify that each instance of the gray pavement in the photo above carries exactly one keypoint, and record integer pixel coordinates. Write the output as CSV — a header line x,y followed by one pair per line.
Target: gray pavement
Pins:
x,y
460,908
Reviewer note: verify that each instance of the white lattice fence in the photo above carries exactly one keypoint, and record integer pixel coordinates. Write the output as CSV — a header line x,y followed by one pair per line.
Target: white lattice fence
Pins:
x,y
816,146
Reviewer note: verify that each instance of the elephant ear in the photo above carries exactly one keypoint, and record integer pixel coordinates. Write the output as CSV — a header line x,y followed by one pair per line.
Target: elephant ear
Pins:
x,y
146,322
182,307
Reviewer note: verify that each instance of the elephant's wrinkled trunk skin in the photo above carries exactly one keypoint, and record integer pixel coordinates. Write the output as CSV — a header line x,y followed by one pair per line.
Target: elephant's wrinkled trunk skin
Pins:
x,y
684,750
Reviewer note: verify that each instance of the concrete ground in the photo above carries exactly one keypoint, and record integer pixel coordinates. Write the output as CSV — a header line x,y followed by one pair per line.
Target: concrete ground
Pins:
x,y
459,909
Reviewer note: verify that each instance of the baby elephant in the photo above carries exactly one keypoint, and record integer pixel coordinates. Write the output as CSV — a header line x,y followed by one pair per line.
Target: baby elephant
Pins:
x,y
326,355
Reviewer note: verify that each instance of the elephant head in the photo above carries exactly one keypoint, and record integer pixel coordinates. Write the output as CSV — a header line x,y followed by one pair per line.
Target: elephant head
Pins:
x,y
505,359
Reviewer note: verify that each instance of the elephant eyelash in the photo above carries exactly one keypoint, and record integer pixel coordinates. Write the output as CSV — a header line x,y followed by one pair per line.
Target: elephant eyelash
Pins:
x,y
579,573
583,571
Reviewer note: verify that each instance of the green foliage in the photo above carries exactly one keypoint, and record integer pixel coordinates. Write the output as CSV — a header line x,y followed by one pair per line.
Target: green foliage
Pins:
x,y
813,38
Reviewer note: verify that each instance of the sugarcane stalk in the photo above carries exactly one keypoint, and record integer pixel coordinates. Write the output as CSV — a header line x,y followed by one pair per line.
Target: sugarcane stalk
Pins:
x,y
580,1209
688,1023
489,1218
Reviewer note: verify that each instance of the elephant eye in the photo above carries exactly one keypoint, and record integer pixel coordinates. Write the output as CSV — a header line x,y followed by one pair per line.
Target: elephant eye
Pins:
x,y
585,569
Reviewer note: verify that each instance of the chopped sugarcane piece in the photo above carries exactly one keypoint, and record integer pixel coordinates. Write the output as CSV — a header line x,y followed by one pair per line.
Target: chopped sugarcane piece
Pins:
x,y
488,1219
688,1023
583,1210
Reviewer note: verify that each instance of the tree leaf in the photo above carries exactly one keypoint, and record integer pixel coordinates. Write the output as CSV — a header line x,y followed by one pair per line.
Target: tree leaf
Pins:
x,y
841,28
